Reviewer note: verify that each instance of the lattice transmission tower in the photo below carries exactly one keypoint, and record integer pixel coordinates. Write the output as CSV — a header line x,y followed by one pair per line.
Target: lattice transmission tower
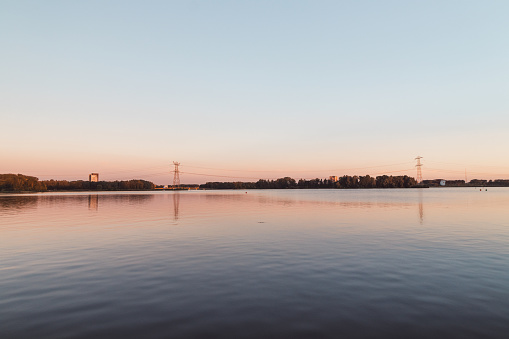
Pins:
x,y
176,175
419,171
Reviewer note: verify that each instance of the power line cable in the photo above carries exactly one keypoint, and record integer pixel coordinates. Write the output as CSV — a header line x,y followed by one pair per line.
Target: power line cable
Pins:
x,y
458,171
298,171
464,165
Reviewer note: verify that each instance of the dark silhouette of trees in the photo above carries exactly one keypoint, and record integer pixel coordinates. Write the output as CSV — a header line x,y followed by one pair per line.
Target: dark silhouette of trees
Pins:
x,y
478,182
404,181
471,183
20,182
367,181
59,185
345,181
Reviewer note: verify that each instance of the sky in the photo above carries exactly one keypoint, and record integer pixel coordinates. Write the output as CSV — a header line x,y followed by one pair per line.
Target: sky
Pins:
x,y
241,90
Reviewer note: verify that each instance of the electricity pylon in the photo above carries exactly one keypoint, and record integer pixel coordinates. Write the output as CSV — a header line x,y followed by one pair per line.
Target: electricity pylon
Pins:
x,y
176,175
419,171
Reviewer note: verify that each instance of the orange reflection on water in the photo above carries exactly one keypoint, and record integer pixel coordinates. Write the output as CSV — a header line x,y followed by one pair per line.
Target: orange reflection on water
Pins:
x,y
101,219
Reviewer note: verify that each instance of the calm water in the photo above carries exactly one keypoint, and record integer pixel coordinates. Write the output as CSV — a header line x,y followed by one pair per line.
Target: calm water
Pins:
x,y
430,263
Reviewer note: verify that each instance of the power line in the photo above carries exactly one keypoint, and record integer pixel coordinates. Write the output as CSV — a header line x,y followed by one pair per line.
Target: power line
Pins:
x,y
299,171
465,165
257,178
386,172
222,176
373,174
156,171
107,173
419,171
460,171
176,176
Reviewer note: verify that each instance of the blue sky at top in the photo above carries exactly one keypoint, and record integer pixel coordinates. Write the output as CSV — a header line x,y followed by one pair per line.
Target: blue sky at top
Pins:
x,y
261,85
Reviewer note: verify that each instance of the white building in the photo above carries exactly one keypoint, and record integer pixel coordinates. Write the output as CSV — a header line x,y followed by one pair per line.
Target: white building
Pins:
x,y
93,177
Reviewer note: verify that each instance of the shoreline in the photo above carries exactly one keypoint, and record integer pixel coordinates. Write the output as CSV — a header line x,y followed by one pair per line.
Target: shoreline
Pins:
x,y
233,189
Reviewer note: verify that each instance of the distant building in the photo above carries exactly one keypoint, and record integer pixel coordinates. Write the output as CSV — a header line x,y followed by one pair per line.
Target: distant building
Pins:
x,y
93,177
333,178
442,182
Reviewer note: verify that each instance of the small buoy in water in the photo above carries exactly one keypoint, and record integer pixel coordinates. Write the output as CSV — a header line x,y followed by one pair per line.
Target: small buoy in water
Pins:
x,y
246,192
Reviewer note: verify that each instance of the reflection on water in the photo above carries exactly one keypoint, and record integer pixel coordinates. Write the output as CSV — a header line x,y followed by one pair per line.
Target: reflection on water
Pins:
x,y
17,203
291,263
421,208
22,203
176,203
93,201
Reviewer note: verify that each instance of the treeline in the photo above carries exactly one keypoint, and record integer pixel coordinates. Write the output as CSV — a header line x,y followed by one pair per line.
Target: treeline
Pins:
x,y
346,181
471,183
64,185
20,182
492,183
451,183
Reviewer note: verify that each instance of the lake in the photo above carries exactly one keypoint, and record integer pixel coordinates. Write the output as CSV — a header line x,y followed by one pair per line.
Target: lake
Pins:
x,y
393,263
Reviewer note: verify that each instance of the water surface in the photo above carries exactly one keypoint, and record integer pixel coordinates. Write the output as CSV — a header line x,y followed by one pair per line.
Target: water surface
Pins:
x,y
423,263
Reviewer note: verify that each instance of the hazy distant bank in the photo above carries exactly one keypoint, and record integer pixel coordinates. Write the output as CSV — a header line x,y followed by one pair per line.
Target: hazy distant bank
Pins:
x,y
19,183
25,183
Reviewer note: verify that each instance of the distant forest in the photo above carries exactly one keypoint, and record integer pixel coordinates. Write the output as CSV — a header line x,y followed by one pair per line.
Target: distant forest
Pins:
x,y
471,183
20,182
346,181
23,183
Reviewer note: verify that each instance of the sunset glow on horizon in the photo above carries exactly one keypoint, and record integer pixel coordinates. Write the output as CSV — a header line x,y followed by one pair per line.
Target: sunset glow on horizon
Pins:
x,y
238,91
